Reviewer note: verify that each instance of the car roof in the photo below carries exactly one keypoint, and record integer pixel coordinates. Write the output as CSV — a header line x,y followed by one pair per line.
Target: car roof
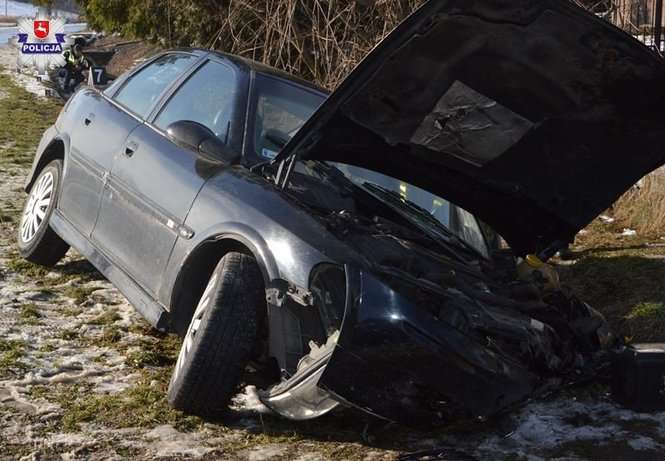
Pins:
x,y
249,65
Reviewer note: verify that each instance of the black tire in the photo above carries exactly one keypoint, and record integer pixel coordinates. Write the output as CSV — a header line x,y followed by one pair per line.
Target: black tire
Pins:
x,y
44,247
216,350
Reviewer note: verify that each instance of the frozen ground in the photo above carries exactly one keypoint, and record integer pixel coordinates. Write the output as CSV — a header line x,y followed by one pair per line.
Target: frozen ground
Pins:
x,y
83,377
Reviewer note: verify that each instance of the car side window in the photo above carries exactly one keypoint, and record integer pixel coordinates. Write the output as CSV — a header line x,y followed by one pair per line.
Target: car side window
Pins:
x,y
207,97
142,90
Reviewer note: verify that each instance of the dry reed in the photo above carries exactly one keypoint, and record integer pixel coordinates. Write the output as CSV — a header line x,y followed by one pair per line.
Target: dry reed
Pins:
x,y
643,207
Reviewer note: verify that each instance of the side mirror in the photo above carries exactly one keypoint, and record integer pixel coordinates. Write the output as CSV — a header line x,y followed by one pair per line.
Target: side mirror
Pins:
x,y
200,138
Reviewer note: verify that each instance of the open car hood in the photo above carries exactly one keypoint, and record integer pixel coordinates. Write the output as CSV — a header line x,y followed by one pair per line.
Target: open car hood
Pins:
x,y
532,114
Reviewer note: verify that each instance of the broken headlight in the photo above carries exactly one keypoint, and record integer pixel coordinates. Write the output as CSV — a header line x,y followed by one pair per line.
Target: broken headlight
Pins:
x,y
328,287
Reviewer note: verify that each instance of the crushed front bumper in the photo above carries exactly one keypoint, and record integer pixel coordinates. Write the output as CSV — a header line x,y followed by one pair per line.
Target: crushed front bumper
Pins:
x,y
397,361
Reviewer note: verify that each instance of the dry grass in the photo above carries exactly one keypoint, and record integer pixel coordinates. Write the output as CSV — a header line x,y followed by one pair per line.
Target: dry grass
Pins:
x,y
321,40
643,207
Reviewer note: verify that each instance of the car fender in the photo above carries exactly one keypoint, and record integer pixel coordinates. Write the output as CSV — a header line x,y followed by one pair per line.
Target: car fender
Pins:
x,y
185,251
45,153
248,237
286,240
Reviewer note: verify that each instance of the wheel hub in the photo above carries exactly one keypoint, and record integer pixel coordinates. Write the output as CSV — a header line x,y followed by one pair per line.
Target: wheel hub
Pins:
x,y
35,210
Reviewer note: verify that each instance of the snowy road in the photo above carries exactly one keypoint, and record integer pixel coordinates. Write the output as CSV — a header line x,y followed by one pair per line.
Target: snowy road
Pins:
x,y
7,33
12,8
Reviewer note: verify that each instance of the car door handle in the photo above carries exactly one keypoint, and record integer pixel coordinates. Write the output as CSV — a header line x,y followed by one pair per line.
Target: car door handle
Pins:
x,y
130,148
89,119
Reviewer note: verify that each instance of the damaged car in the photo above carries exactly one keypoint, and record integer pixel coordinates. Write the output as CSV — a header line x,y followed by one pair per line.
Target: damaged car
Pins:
x,y
339,244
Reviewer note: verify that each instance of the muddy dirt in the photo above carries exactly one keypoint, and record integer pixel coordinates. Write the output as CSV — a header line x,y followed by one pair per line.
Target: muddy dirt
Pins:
x,y
82,376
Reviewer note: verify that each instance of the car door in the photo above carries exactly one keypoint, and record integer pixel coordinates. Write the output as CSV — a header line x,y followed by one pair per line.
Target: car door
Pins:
x,y
98,128
154,182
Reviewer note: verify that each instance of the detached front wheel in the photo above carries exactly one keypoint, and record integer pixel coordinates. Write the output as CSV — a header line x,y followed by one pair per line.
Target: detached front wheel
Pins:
x,y
220,338
37,242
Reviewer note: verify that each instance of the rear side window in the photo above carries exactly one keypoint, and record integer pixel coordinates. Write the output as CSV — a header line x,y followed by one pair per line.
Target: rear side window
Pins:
x,y
207,97
142,90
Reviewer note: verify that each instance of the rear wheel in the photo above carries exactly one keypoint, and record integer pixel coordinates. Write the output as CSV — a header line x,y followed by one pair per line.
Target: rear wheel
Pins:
x,y
219,341
37,242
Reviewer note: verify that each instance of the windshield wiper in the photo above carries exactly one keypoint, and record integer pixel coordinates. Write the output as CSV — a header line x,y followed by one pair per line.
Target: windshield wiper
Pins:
x,y
417,211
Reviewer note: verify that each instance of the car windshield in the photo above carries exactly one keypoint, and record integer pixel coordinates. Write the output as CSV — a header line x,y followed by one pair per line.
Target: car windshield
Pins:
x,y
281,110
457,220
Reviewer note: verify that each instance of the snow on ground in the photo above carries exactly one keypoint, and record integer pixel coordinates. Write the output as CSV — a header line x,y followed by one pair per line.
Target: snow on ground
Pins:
x,y
26,78
545,427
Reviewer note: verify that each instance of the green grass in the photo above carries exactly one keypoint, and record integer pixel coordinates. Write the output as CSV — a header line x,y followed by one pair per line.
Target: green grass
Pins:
x,y
648,311
29,313
11,353
161,353
23,119
68,335
6,217
78,293
71,311
47,348
110,337
142,405
622,278
23,267
107,318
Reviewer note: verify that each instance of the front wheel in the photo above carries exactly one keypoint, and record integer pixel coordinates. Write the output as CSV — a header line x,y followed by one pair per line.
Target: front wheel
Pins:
x,y
37,242
220,338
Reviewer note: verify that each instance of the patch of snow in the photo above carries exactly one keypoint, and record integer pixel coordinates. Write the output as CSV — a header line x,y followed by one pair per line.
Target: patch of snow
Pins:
x,y
68,439
606,219
628,232
310,457
166,441
265,452
249,400
8,62
547,425
644,443
114,384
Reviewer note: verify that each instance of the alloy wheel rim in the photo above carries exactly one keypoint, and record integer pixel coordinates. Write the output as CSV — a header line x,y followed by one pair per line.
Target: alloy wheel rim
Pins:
x,y
35,210
194,326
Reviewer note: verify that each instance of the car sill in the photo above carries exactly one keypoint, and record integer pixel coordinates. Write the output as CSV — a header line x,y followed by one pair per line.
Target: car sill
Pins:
x,y
153,312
